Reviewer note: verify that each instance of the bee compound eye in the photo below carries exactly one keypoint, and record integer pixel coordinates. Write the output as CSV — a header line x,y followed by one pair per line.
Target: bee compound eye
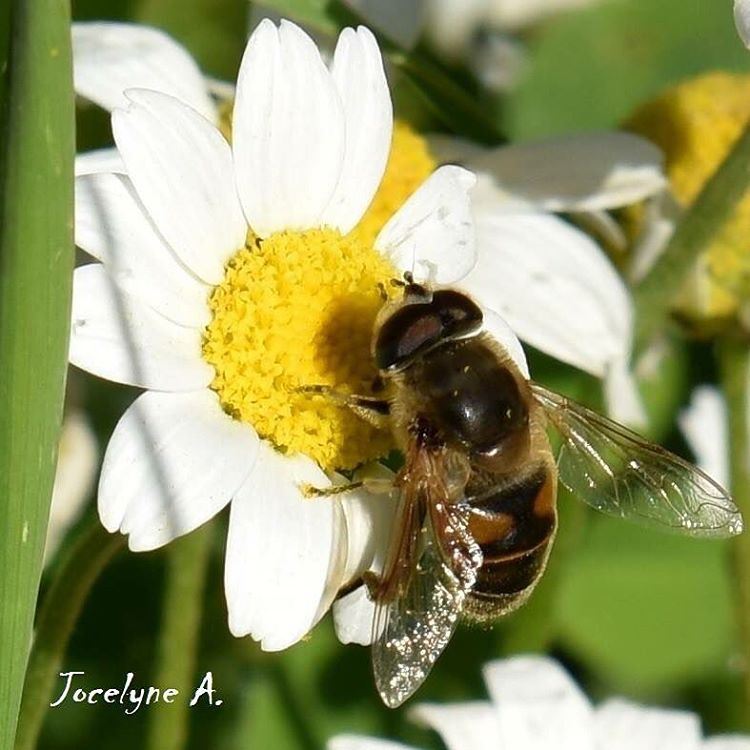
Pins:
x,y
416,327
409,330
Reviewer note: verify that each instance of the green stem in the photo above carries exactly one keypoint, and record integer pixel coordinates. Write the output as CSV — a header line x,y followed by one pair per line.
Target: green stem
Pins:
x,y
711,210
734,357
36,261
88,556
187,563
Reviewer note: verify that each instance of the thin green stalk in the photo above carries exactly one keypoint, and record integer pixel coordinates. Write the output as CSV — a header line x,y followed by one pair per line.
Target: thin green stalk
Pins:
x,y
187,563
36,261
700,223
88,556
734,357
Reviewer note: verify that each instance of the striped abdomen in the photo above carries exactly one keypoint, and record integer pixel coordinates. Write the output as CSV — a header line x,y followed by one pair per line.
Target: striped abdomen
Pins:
x,y
514,525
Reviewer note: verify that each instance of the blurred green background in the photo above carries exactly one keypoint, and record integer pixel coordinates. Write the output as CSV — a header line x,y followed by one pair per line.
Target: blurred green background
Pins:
x,y
629,611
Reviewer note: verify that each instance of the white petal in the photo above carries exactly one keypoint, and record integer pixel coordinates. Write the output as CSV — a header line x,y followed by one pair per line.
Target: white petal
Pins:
x,y
603,225
622,396
337,562
359,76
661,216
109,58
279,550
117,337
100,160
705,426
462,726
77,463
584,172
353,616
369,520
112,226
369,524
495,325
432,234
554,287
539,706
288,127
727,742
359,742
742,20
174,461
621,725
181,167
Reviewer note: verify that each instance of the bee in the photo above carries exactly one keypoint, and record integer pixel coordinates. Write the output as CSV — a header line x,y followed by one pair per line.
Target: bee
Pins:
x,y
476,515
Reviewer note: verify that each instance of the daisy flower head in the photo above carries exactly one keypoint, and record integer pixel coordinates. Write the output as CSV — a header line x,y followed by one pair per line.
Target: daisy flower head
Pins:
x,y
228,277
546,277
535,705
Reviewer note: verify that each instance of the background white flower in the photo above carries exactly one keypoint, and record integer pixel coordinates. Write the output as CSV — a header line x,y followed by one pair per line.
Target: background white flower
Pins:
x,y
535,705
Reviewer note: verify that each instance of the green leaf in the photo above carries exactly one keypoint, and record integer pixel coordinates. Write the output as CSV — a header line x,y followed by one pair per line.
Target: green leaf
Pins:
x,y
591,68
644,609
36,258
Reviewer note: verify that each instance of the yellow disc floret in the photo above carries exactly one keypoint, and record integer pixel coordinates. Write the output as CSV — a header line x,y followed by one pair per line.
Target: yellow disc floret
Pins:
x,y
696,124
410,163
297,309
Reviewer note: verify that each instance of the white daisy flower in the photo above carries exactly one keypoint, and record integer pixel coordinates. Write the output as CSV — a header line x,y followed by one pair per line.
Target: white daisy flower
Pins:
x,y
553,284
228,276
535,705
77,462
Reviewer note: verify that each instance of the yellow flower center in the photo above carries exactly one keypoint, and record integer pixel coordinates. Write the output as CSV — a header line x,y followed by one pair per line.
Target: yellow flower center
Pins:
x,y
696,124
297,309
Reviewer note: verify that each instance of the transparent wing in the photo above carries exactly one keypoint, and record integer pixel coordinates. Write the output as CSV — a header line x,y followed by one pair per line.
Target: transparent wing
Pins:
x,y
424,587
619,473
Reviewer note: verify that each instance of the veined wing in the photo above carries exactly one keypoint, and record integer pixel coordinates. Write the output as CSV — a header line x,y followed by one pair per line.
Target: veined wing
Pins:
x,y
618,472
417,613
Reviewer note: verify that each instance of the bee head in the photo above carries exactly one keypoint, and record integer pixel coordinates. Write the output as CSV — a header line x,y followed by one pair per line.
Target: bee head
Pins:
x,y
421,319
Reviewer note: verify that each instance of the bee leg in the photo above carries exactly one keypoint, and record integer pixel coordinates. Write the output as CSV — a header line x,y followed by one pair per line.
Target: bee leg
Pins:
x,y
374,410
337,489
376,485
